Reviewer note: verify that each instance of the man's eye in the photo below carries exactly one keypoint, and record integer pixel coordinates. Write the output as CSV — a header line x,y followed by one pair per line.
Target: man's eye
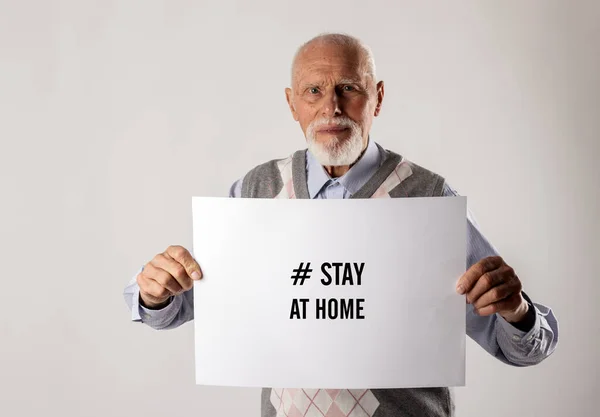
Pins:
x,y
313,90
348,88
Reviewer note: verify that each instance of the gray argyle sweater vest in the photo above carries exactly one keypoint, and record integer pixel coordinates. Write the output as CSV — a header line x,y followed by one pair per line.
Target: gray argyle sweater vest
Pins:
x,y
396,177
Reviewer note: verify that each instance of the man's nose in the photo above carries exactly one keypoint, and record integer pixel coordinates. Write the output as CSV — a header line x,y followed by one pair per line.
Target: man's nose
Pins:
x,y
331,105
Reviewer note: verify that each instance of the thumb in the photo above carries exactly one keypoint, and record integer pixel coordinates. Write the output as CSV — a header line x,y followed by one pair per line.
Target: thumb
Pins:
x,y
183,256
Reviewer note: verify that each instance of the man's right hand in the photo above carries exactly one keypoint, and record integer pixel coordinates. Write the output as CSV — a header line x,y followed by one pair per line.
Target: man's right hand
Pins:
x,y
169,273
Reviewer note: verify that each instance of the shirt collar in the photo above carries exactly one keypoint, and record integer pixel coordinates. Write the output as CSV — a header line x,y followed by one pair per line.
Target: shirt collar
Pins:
x,y
352,180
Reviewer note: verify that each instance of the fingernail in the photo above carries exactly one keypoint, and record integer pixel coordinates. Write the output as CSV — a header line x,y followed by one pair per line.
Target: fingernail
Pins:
x,y
195,275
460,289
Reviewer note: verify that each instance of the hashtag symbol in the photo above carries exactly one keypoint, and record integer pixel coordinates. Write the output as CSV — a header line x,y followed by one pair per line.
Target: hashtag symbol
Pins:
x,y
301,273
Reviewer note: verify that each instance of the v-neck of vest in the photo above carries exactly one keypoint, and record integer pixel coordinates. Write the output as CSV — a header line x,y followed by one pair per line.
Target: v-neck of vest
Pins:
x,y
300,182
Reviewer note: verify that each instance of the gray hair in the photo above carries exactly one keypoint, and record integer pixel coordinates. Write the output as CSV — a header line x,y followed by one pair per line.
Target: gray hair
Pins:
x,y
344,40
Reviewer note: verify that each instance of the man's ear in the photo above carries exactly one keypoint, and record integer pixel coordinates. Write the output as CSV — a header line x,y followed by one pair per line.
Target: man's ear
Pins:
x,y
290,99
380,94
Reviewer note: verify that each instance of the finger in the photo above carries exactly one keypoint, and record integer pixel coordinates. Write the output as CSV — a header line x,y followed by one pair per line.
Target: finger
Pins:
x,y
152,289
508,304
470,277
175,269
181,255
495,294
488,281
162,277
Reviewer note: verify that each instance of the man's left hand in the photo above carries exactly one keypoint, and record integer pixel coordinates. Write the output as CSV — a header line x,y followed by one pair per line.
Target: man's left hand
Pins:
x,y
493,287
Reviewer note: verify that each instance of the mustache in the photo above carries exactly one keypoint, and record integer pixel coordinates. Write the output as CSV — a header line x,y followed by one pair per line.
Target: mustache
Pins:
x,y
342,121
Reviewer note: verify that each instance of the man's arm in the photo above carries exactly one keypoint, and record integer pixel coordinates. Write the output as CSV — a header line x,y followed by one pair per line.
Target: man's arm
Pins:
x,y
523,343
178,310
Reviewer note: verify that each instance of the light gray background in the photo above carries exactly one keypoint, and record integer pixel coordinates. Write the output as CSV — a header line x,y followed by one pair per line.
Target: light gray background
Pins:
x,y
113,114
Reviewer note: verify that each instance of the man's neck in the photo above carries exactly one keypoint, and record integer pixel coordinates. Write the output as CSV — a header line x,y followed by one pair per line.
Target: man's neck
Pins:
x,y
337,171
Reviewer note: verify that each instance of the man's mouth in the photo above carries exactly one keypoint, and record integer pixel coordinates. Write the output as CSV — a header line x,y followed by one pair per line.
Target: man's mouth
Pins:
x,y
331,129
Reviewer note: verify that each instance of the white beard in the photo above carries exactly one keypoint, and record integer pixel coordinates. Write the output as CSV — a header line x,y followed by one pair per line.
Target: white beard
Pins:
x,y
335,152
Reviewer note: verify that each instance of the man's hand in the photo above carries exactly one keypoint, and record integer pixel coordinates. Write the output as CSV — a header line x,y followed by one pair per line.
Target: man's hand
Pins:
x,y
492,287
169,273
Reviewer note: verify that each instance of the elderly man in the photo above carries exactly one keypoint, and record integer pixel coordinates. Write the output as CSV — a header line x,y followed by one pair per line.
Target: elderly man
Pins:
x,y
334,96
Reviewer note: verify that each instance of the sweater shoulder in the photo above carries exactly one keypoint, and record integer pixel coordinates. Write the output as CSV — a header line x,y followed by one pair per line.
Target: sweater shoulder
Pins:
x,y
265,180
420,181
424,174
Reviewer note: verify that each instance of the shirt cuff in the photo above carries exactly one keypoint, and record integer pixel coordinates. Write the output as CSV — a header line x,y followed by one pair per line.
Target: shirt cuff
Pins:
x,y
135,305
517,335
151,317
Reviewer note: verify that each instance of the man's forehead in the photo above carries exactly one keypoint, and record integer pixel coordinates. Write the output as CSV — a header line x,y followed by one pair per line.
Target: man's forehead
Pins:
x,y
329,62
328,77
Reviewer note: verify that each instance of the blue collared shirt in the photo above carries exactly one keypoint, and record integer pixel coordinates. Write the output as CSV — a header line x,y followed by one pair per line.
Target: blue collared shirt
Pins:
x,y
498,337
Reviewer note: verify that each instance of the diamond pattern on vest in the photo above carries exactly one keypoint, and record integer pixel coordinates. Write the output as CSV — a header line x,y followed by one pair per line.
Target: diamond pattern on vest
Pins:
x,y
295,402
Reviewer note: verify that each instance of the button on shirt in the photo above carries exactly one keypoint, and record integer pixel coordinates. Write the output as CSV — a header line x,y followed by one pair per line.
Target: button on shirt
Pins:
x,y
505,341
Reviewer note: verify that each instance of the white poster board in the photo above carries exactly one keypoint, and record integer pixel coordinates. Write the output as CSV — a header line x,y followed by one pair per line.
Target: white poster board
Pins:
x,y
389,316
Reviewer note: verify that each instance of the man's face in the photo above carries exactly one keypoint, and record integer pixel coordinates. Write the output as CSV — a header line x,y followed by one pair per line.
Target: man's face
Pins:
x,y
334,99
